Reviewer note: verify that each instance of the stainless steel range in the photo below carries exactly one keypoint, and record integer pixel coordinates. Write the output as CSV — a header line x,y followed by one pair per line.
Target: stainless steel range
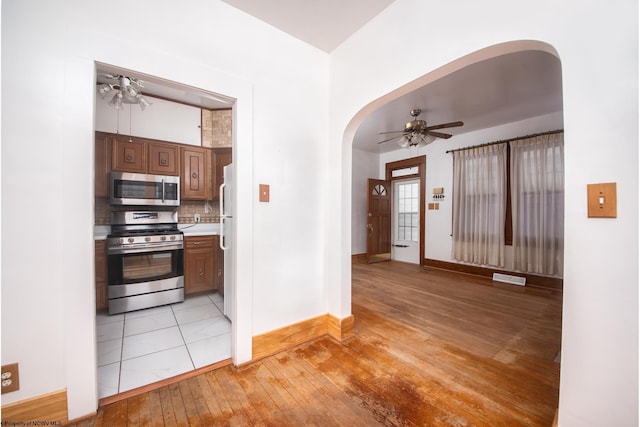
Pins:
x,y
145,260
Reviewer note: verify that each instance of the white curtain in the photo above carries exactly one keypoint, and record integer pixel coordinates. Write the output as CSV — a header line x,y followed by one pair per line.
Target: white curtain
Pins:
x,y
479,204
537,199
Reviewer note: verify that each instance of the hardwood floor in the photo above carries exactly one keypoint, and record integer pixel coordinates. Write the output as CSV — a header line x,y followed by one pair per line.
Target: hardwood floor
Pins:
x,y
431,348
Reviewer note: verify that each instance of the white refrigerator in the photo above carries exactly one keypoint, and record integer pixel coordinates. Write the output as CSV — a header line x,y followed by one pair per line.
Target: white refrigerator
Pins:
x,y
226,237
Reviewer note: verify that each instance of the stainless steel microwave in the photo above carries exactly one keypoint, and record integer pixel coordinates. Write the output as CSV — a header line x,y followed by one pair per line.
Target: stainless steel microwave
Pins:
x,y
137,189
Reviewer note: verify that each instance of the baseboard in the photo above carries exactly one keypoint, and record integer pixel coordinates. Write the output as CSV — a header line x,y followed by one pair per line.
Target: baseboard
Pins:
x,y
50,408
358,258
341,329
287,337
533,280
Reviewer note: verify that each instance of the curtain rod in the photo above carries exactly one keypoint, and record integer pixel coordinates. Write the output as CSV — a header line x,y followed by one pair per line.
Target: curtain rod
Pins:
x,y
504,141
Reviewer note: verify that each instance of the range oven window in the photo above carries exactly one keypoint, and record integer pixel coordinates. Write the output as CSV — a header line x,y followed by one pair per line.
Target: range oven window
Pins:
x,y
145,266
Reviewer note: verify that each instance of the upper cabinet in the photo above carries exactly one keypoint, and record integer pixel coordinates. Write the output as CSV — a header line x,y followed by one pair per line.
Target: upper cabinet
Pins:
x,y
163,158
221,158
197,180
200,169
137,155
129,154
103,163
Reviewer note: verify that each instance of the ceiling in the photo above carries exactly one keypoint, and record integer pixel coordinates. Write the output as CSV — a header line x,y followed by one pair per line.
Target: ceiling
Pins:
x,y
490,93
166,89
494,92
321,23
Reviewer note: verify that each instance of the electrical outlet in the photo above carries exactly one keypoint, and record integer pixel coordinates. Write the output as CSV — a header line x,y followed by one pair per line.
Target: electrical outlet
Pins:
x,y
196,218
9,378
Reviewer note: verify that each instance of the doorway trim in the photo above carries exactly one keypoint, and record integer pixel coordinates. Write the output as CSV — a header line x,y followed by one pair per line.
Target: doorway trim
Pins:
x,y
421,163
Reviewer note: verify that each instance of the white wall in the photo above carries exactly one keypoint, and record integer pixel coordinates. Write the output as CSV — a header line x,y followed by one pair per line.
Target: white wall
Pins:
x,y
163,120
597,44
48,53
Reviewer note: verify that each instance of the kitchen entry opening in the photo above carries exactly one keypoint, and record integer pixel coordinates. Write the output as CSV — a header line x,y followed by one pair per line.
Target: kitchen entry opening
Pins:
x,y
174,333
405,226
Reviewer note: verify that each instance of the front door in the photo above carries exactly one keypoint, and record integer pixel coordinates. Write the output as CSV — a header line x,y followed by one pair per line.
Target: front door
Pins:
x,y
406,221
378,221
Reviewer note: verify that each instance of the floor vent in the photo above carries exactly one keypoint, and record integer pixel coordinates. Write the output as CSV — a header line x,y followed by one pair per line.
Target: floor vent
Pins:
x,y
506,278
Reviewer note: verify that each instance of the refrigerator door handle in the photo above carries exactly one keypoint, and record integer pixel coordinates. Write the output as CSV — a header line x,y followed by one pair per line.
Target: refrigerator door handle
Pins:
x,y
221,201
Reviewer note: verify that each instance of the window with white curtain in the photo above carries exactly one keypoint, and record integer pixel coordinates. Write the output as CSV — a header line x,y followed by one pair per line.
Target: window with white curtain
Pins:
x,y
479,204
537,203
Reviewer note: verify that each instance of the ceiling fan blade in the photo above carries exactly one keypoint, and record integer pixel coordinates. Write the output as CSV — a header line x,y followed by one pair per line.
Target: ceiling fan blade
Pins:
x,y
394,131
445,125
109,76
439,135
390,139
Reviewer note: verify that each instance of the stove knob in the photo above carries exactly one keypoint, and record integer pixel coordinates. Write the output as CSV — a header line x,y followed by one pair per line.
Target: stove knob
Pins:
x,y
121,240
163,238
147,239
131,239
173,237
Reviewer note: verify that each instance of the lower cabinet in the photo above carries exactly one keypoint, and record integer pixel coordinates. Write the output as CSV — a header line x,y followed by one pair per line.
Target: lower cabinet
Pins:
x,y
101,275
201,264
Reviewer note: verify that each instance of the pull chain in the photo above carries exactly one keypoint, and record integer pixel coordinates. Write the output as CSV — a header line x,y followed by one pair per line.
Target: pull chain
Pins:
x,y
117,122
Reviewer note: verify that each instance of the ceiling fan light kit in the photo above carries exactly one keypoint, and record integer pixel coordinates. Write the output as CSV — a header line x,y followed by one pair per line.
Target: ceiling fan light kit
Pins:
x,y
416,133
125,90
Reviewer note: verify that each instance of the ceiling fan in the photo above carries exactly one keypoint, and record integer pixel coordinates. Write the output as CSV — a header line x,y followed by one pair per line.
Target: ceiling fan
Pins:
x,y
416,133
125,91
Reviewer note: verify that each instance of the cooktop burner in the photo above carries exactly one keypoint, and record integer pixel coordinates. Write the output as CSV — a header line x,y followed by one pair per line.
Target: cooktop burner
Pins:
x,y
144,232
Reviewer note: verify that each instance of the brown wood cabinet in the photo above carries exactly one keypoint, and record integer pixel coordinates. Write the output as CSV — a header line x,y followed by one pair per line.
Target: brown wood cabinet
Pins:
x,y
221,158
129,154
196,180
163,158
103,163
200,264
101,275
200,169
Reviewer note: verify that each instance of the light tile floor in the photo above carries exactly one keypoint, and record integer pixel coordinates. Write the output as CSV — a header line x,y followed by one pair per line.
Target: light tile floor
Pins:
x,y
142,347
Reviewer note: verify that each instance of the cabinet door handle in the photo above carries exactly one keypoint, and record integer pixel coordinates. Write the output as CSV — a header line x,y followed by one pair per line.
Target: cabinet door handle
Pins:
x,y
201,273
129,157
163,162
194,175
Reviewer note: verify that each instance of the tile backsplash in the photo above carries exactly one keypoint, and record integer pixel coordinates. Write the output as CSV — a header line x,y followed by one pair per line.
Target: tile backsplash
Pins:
x,y
186,211
188,208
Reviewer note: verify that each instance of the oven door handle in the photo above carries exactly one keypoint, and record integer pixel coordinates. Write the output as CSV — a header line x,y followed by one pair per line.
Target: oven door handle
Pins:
x,y
146,247
163,190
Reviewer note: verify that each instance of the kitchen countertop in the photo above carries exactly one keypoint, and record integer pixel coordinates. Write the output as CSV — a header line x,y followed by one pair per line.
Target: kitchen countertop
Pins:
x,y
100,232
202,229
